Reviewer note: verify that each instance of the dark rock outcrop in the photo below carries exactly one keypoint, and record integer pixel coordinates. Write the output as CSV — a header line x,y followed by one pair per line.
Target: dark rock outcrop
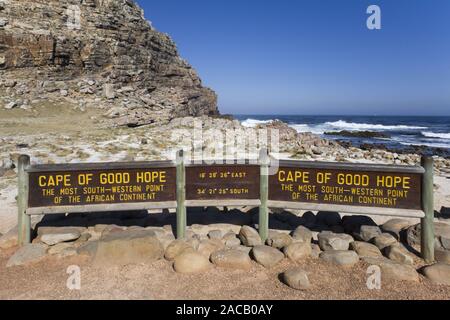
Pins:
x,y
100,53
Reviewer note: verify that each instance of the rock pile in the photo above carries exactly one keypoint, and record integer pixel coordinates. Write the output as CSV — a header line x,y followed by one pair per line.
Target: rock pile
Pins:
x,y
136,241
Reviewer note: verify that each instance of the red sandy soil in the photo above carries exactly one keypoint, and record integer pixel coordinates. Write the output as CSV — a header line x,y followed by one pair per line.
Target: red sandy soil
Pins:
x,y
47,280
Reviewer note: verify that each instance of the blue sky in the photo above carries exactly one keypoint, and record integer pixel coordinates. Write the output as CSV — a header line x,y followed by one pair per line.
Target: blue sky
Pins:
x,y
315,56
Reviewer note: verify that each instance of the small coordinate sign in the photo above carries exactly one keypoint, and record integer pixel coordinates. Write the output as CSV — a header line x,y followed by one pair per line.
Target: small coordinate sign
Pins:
x,y
222,182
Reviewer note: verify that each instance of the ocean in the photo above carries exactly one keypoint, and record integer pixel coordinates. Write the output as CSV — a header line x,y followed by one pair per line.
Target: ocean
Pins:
x,y
429,134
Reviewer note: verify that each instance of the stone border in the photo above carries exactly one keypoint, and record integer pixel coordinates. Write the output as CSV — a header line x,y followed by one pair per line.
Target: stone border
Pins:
x,y
426,215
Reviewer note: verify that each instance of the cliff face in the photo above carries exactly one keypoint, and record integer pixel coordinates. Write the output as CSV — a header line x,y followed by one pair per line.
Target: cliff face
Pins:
x,y
99,53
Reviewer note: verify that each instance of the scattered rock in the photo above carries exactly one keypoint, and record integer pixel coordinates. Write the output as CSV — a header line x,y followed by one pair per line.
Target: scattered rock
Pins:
x,y
232,259
367,233
266,256
249,237
333,241
10,105
340,257
298,251
297,279
394,270
364,249
302,234
128,247
3,22
27,254
176,248
384,240
438,273
279,240
191,262
398,253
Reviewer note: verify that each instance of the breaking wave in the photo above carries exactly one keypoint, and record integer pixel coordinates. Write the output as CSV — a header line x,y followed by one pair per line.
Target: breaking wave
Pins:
x,y
436,135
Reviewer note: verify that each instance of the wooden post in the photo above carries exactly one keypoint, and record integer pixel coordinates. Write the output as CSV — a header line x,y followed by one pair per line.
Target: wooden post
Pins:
x,y
181,196
427,228
264,162
24,220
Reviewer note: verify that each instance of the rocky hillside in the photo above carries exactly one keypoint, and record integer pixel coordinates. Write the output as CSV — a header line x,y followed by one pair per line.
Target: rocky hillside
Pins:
x,y
95,53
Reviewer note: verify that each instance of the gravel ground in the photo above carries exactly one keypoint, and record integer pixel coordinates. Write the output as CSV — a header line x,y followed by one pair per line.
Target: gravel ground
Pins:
x,y
47,280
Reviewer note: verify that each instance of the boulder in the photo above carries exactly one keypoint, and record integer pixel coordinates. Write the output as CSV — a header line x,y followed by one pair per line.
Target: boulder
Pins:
x,y
298,251
10,239
398,253
328,218
297,279
266,256
232,259
190,262
60,235
394,270
177,247
340,257
395,227
445,242
30,253
442,255
302,234
367,233
309,219
384,240
352,224
438,273
315,251
59,248
231,243
279,240
41,231
207,247
215,234
334,241
413,233
245,249
364,249
88,249
249,237
128,247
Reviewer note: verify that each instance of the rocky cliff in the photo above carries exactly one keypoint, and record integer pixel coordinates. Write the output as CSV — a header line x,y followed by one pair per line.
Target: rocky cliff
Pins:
x,y
95,53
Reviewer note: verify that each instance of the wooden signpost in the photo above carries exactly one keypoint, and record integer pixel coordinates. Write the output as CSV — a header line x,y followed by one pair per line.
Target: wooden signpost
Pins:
x,y
346,188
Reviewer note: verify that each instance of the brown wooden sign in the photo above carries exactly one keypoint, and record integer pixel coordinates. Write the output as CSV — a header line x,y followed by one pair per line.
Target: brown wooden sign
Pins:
x,y
222,182
94,187
347,187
